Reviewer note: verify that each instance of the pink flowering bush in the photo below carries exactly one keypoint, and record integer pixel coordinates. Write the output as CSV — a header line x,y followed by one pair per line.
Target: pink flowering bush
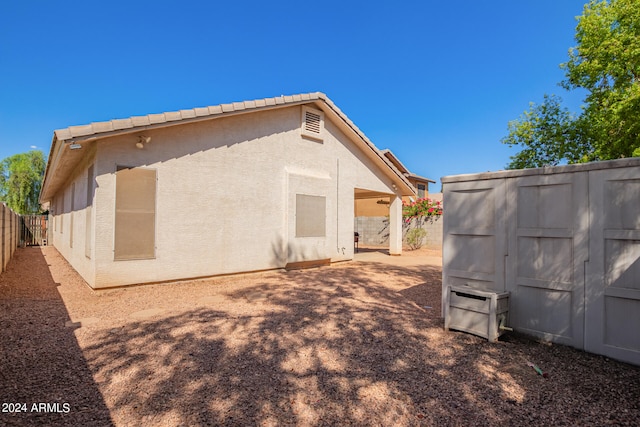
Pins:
x,y
421,208
415,214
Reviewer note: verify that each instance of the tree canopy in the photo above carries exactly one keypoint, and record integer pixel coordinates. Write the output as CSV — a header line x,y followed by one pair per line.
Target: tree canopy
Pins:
x,y
21,180
606,63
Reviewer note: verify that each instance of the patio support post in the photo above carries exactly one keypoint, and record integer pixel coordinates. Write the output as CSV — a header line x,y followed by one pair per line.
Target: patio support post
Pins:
x,y
395,225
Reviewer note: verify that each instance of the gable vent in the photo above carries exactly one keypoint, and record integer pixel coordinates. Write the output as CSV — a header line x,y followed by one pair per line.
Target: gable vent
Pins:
x,y
312,122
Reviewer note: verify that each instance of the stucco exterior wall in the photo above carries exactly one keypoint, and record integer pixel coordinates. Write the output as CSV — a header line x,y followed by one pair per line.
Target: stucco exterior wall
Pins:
x,y
225,198
65,214
371,208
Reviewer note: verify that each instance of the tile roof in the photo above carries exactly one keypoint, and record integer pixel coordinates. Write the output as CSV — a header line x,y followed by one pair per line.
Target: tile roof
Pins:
x,y
105,129
98,128
402,168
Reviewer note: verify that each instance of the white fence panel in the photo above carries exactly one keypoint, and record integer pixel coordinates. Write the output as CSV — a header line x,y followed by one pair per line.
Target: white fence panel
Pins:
x,y
475,244
563,241
547,249
613,285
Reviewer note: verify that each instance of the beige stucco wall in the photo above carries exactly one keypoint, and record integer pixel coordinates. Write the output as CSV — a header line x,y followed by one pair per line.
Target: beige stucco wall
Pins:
x,y
371,207
73,244
226,197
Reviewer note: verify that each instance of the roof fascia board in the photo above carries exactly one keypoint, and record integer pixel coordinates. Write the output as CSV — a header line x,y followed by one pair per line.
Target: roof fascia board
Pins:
x,y
225,110
378,155
403,169
57,146
141,128
420,178
395,159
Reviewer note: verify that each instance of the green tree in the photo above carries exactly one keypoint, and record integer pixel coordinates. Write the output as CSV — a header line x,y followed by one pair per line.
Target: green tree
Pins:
x,y
549,133
606,63
20,181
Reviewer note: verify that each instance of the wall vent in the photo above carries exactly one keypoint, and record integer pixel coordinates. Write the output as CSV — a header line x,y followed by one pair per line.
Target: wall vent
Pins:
x,y
312,123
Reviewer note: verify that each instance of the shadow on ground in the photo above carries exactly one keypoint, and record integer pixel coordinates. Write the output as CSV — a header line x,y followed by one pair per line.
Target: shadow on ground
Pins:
x,y
354,344
339,346
40,360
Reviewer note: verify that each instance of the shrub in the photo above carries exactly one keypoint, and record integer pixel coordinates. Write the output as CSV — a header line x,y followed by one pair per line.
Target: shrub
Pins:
x,y
422,208
415,237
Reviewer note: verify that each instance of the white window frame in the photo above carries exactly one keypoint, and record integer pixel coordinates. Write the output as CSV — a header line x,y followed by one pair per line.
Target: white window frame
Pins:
x,y
424,190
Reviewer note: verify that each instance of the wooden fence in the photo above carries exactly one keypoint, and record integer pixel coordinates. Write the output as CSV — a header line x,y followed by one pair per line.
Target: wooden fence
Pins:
x,y
33,230
9,233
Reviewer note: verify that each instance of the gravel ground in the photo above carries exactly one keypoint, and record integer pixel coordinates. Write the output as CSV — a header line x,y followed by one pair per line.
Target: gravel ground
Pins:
x,y
351,344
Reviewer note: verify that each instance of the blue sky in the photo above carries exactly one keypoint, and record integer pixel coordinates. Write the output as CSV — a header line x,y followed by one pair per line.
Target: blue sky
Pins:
x,y
436,82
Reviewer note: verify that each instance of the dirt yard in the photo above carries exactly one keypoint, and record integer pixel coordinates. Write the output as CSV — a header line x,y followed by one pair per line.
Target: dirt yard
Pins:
x,y
352,344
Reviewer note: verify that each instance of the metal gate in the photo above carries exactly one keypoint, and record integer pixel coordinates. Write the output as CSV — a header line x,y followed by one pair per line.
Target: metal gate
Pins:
x,y
33,230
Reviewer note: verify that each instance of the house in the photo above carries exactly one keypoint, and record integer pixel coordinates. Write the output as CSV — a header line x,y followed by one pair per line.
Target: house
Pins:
x,y
379,206
239,187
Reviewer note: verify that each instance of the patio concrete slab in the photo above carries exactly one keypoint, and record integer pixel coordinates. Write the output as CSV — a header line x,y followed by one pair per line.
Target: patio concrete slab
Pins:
x,y
407,259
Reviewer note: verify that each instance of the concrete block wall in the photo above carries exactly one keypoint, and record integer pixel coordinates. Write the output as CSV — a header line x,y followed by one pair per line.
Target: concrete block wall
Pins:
x,y
434,233
374,230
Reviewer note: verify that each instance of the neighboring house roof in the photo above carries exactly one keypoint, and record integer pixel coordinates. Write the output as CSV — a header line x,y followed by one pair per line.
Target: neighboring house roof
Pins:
x,y
402,168
419,178
62,161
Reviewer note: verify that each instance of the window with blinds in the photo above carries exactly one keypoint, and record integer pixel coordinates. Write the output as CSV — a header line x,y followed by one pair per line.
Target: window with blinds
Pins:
x,y
311,216
71,212
88,215
422,191
135,223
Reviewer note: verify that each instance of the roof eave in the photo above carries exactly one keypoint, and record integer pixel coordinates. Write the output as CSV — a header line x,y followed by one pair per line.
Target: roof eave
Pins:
x,y
407,188
101,130
52,162
420,178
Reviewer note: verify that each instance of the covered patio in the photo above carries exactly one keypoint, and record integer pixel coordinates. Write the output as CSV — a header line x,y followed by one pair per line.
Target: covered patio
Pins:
x,y
394,204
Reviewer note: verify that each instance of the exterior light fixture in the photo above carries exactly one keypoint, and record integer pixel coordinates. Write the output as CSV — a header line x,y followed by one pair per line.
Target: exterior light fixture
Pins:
x,y
142,139
75,146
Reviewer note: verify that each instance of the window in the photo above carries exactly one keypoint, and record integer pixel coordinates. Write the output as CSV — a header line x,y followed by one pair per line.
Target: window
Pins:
x,y
312,123
310,216
73,196
89,208
422,189
61,228
135,224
